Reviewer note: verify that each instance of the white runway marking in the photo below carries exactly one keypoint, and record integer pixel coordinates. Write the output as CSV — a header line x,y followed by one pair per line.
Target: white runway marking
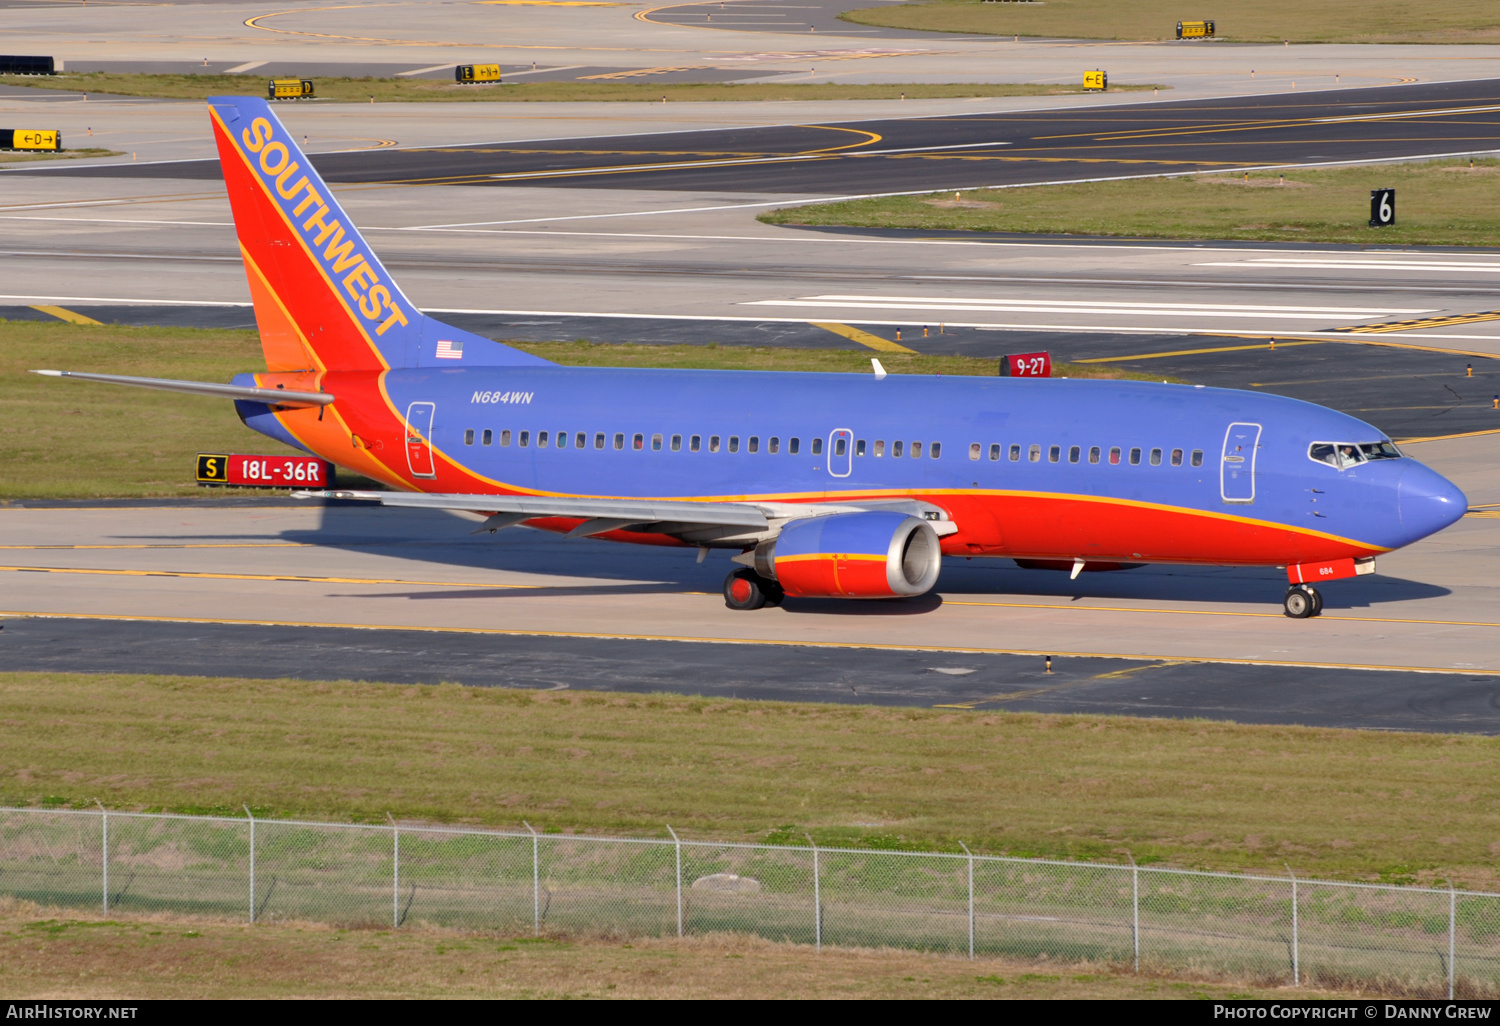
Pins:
x,y
1088,308
1356,264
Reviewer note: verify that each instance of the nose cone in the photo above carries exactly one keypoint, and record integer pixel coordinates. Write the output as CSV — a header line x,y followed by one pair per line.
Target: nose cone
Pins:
x,y
1428,501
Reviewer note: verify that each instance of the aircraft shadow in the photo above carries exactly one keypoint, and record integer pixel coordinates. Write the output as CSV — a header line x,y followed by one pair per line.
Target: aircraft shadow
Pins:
x,y
435,537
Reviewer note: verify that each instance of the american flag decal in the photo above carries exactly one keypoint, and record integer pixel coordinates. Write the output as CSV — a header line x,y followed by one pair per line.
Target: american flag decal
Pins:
x,y
449,350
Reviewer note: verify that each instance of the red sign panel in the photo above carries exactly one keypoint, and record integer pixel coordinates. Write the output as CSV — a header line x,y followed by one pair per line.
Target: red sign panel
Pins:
x,y
264,471
1026,365
1330,570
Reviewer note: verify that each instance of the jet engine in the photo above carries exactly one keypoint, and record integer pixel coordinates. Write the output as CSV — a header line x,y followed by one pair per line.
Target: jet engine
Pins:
x,y
875,554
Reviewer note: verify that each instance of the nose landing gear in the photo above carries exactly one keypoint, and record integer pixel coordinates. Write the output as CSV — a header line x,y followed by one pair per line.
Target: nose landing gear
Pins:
x,y
746,589
1302,601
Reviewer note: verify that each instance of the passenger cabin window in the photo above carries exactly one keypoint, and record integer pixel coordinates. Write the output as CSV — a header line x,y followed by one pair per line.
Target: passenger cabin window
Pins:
x,y
896,450
695,443
1035,454
994,452
916,450
1074,453
525,439
619,440
581,440
713,443
1135,457
935,450
1054,454
1094,454
879,447
792,444
1015,453
638,442
975,449
734,443
753,445
468,436
1156,457
541,439
656,443
859,447
599,440
676,443
505,437
1197,457
817,447
1114,455
487,438
1176,457
775,445
840,446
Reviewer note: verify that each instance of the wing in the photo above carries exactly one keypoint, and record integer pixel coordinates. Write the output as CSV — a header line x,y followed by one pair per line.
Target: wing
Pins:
x,y
729,524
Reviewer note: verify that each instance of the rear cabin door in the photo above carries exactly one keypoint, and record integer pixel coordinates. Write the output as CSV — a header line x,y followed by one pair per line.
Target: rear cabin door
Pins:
x,y
418,433
841,452
1237,463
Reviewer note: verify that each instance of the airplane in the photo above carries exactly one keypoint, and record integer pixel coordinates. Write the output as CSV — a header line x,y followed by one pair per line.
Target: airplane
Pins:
x,y
825,485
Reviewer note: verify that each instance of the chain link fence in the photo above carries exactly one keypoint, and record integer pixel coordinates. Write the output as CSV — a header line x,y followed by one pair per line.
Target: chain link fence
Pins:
x,y
1398,940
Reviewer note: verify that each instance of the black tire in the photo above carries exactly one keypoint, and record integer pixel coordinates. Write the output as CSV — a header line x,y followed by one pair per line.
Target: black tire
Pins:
x,y
1317,599
1298,604
744,590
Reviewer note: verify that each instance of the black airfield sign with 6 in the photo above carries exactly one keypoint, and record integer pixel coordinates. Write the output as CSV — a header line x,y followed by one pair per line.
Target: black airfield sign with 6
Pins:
x,y
1382,207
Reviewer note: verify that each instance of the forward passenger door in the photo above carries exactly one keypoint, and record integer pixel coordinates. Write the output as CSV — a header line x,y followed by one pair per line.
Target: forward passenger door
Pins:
x,y
1237,463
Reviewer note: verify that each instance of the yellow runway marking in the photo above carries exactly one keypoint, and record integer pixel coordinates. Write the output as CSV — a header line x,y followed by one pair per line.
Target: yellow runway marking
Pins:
x,y
798,643
1444,438
66,315
199,575
1214,612
864,338
1192,352
1425,322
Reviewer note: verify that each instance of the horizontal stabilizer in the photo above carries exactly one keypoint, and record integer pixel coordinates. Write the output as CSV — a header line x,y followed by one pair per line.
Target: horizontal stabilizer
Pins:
x,y
269,396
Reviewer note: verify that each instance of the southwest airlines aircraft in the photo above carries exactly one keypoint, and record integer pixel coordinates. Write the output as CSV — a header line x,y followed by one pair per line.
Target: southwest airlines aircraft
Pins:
x,y
851,486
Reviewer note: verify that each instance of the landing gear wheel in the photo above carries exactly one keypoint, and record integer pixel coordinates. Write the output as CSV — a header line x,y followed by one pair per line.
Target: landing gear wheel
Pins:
x,y
746,589
1317,597
1300,603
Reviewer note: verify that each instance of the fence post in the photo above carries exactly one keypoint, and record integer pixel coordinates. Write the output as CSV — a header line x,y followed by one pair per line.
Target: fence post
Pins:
x,y
969,853
677,843
536,883
1296,955
1135,910
395,873
1452,934
105,852
817,896
252,861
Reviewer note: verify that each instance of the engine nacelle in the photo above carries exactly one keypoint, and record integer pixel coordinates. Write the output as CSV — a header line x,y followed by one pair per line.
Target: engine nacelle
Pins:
x,y
875,554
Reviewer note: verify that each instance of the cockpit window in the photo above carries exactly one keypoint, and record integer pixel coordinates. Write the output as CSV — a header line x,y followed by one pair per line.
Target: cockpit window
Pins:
x,y
1350,454
1382,450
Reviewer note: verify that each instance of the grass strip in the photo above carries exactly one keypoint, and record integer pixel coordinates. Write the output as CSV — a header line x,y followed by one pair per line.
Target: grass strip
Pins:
x,y
1244,21
73,439
62,955
388,90
1439,203
1332,803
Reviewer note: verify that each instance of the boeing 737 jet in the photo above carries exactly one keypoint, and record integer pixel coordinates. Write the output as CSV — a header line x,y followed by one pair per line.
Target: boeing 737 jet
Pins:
x,y
832,485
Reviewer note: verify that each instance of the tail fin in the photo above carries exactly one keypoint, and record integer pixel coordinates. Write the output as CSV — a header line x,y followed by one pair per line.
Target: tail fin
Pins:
x,y
322,300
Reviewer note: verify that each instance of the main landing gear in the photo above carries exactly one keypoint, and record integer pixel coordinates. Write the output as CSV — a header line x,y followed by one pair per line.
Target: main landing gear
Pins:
x,y
746,589
1302,601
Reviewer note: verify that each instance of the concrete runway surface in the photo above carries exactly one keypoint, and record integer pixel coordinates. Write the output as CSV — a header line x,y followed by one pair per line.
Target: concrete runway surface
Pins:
x,y
216,583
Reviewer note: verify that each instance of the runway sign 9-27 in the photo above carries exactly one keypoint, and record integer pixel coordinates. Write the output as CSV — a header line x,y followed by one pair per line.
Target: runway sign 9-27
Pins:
x,y
1382,207
264,471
